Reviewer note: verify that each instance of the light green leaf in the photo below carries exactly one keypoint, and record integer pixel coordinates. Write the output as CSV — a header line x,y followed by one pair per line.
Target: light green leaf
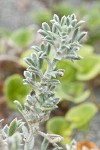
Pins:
x,y
24,55
42,16
62,10
81,97
86,51
72,91
88,68
22,37
15,89
70,71
56,125
93,18
81,115
4,32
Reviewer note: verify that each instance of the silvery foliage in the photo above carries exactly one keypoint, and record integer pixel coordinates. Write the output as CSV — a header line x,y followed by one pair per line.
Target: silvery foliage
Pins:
x,y
61,41
10,136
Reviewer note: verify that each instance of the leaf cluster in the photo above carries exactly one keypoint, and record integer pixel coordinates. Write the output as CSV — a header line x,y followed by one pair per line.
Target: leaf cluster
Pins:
x,y
62,41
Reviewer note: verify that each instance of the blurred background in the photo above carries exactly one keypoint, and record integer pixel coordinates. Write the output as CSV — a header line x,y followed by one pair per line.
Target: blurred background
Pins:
x,y
77,115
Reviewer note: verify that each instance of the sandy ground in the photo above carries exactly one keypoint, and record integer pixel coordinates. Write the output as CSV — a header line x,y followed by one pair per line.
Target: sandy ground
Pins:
x,y
19,13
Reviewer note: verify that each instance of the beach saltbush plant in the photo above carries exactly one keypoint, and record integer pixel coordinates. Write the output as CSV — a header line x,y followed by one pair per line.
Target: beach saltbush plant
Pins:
x,y
64,36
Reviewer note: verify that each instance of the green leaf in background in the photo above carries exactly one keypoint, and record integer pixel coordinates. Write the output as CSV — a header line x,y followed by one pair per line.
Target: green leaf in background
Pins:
x,y
58,125
1,49
4,32
94,37
86,50
93,18
73,91
88,68
70,71
81,115
22,37
81,12
24,55
62,10
14,89
42,16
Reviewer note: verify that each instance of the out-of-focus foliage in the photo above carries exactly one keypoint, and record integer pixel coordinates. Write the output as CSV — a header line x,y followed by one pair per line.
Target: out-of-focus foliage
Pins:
x,y
17,41
14,89
22,37
86,69
89,67
81,115
4,32
92,22
59,125
62,9
4,35
42,16
27,53
46,15
77,117
73,91
93,19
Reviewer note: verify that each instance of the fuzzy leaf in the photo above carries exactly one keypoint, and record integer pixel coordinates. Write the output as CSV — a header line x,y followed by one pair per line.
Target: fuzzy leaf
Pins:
x,y
63,20
75,34
82,35
12,127
56,18
42,32
45,26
